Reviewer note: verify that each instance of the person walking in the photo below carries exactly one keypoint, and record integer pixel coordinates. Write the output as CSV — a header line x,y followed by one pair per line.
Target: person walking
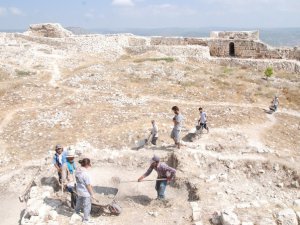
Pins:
x,y
177,120
275,103
84,190
154,132
202,122
164,172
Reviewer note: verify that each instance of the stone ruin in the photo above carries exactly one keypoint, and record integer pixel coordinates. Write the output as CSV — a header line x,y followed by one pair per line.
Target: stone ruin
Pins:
x,y
220,44
246,44
51,30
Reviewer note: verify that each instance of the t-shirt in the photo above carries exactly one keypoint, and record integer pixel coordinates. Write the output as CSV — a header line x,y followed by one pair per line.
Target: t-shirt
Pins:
x,y
82,180
154,130
203,117
163,171
60,159
178,118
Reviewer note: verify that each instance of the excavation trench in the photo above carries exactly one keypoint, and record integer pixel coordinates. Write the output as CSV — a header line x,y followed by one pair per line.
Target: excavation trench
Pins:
x,y
137,199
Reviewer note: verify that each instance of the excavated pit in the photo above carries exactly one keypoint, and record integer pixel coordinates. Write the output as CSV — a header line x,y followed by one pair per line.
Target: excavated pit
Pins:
x,y
137,199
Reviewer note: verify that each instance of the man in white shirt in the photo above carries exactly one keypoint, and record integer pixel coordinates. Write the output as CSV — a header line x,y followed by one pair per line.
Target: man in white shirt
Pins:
x,y
154,132
203,120
177,120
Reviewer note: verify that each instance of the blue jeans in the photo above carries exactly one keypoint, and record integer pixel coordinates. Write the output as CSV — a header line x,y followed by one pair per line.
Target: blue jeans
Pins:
x,y
160,187
85,204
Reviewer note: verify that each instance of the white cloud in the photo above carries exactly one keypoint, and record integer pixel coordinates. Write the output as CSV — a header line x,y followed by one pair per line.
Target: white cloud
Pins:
x,y
3,11
170,9
11,11
15,11
123,2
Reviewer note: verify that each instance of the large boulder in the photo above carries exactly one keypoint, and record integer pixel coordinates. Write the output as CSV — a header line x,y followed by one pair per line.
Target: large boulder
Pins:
x,y
287,217
229,218
52,30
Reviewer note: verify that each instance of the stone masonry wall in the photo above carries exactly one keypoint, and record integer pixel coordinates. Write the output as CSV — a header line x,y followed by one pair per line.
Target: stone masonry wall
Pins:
x,y
251,49
245,35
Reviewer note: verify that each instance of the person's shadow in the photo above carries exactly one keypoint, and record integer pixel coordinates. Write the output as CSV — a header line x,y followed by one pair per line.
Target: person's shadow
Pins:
x,y
268,111
140,199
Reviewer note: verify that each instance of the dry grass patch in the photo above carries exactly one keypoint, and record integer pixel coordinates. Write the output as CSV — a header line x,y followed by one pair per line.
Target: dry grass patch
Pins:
x,y
166,59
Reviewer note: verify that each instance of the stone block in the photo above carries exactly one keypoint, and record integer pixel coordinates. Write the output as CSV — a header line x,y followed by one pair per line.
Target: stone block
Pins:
x,y
34,206
287,217
52,215
229,218
196,211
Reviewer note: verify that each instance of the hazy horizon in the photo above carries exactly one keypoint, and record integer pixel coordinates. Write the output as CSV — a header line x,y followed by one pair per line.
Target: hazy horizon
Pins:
x,y
289,37
120,14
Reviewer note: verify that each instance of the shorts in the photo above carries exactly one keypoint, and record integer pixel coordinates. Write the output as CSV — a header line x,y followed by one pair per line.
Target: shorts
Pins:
x,y
203,125
153,141
175,135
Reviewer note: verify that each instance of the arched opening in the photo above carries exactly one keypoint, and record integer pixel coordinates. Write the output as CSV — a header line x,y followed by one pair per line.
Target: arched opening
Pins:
x,y
231,49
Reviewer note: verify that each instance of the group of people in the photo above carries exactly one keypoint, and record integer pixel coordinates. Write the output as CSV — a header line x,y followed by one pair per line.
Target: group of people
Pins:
x,y
76,180
178,121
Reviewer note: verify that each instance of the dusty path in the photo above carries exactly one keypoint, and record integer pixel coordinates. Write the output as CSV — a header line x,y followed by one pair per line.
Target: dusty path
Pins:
x,y
228,104
55,75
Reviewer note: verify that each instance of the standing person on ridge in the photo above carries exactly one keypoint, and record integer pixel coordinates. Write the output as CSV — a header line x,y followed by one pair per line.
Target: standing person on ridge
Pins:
x,y
154,132
163,172
202,122
275,103
177,120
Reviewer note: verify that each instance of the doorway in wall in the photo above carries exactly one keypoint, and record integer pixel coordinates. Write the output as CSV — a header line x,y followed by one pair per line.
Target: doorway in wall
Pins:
x,y
231,49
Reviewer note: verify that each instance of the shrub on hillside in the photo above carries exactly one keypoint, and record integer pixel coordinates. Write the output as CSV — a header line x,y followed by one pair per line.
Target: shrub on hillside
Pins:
x,y
268,72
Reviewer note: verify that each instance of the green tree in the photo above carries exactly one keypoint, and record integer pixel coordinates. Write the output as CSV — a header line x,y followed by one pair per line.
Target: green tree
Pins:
x,y
268,72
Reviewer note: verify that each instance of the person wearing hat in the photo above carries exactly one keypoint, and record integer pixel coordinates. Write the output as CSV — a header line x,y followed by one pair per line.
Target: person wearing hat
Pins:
x,y
59,159
68,175
164,172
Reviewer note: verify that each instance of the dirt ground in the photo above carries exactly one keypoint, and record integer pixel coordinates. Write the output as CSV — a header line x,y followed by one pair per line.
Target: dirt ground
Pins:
x,y
247,162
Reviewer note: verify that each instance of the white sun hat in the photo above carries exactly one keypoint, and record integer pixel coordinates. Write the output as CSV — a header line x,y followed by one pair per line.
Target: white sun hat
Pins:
x,y
70,152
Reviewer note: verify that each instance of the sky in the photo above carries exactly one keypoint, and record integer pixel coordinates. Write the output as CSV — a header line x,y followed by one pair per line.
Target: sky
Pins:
x,y
113,14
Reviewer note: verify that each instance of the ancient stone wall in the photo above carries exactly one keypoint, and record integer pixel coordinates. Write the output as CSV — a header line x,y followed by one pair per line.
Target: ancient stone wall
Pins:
x,y
181,53
243,35
178,41
250,49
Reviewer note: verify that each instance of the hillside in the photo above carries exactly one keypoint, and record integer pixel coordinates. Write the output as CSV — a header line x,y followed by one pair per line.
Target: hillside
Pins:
x,y
99,94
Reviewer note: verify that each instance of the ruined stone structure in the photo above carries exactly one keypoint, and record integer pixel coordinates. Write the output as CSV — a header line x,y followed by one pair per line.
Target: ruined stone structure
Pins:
x,y
240,48
246,44
239,44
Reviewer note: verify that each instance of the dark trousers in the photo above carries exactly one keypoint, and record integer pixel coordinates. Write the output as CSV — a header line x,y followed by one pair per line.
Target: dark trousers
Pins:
x,y
59,177
160,187
153,141
203,125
